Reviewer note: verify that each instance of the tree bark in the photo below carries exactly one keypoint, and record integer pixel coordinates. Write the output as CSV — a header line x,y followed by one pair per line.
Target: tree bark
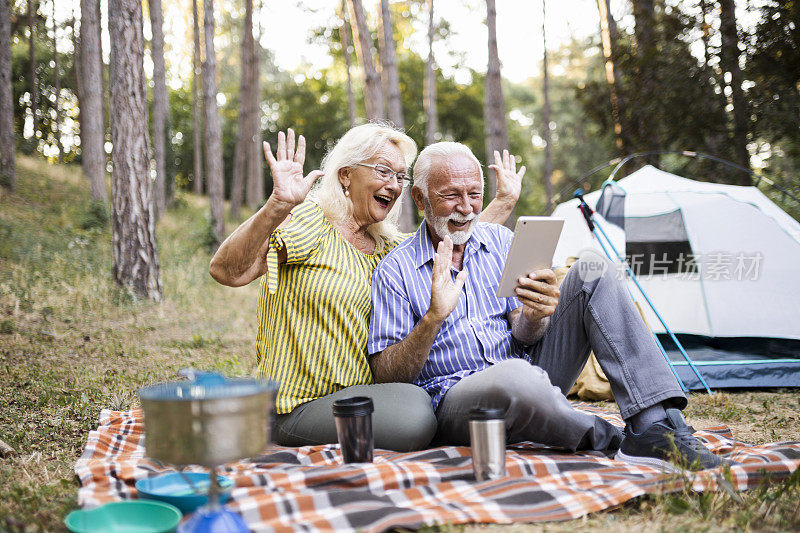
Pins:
x,y
729,60
8,175
429,96
390,67
548,147
255,158
373,98
609,36
160,107
196,109
408,211
345,40
245,134
213,134
93,154
494,104
57,83
32,67
133,221
647,130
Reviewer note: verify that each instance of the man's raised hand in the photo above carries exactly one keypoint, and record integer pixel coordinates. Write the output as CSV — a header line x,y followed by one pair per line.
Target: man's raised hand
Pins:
x,y
509,181
538,292
289,186
444,291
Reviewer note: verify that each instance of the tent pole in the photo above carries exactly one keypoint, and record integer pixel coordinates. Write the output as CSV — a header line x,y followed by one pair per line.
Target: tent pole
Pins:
x,y
588,217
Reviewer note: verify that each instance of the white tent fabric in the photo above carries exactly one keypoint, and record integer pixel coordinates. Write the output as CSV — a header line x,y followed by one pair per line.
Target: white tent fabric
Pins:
x,y
747,252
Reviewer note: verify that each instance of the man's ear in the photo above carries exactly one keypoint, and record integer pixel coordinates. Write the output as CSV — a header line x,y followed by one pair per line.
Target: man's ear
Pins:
x,y
344,176
418,197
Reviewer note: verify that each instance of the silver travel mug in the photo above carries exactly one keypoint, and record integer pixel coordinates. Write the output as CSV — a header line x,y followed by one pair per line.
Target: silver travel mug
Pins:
x,y
353,417
487,435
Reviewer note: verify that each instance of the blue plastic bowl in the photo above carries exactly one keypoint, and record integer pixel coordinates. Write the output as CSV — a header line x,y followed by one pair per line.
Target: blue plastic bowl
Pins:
x,y
130,516
172,488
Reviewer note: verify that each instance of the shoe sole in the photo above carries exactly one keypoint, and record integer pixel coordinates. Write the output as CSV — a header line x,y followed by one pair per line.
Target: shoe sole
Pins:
x,y
650,462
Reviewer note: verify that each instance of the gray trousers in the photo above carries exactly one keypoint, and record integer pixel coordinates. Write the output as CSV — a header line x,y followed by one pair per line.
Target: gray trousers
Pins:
x,y
403,419
593,313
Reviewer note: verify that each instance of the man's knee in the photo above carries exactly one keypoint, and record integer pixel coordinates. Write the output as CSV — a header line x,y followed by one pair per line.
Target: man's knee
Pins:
x,y
410,425
590,269
512,381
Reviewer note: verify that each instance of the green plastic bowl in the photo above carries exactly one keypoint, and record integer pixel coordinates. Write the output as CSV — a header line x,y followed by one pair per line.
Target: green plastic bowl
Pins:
x,y
130,516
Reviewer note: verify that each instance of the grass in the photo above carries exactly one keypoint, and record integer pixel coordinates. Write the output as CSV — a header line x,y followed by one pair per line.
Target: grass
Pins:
x,y
72,342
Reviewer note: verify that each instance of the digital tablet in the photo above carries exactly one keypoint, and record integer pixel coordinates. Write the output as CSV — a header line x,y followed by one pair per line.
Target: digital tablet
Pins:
x,y
535,240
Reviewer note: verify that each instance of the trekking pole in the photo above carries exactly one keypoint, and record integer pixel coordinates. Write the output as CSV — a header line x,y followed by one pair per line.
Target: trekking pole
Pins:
x,y
593,225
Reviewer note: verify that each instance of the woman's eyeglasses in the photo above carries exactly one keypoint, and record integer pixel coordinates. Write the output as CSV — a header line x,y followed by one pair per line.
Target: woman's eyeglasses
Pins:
x,y
386,174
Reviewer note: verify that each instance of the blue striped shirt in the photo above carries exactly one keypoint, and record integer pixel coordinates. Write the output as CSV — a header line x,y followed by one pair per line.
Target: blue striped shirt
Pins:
x,y
475,336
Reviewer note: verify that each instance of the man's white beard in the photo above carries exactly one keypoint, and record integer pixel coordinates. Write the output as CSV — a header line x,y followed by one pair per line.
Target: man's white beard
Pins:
x,y
439,225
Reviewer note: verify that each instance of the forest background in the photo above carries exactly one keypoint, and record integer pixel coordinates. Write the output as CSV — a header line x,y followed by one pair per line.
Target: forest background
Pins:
x,y
78,159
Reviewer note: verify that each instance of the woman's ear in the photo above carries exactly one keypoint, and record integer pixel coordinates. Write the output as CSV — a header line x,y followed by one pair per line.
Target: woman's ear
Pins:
x,y
344,176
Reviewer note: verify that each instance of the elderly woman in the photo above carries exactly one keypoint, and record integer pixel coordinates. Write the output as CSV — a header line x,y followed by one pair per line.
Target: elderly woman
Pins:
x,y
316,250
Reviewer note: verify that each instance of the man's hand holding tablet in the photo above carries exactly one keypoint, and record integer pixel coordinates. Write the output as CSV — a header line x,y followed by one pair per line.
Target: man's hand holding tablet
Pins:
x,y
530,257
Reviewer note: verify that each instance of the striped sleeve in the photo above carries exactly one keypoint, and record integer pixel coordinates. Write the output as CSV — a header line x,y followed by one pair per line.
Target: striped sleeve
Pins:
x,y
392,316
506,236
300,238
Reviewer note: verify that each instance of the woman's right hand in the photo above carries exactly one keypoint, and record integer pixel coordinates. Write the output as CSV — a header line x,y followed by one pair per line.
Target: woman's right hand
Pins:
x,y
289,186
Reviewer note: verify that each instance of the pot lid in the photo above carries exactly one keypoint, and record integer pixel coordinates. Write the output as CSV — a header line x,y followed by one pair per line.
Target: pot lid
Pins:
x,y
205,386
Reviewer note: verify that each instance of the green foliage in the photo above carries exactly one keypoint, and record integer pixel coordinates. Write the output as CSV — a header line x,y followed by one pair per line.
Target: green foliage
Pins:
x,y
96,217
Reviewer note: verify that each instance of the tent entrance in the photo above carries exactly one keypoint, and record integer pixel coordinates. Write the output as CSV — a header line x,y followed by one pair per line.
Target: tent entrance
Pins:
x,y
737,362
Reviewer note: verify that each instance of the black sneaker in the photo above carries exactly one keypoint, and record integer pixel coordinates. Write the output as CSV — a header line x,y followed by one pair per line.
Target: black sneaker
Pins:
x,y
667,445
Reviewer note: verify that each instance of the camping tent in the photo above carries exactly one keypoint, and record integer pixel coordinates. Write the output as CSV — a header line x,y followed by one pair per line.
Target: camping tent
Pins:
x,y
721,263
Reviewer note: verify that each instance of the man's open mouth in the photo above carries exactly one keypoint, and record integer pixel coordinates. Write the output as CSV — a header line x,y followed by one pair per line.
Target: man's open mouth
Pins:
x,y
383,200
460,224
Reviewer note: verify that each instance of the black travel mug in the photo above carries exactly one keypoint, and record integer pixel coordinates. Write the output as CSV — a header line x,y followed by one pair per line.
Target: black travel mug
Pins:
x,y
487,436
353,417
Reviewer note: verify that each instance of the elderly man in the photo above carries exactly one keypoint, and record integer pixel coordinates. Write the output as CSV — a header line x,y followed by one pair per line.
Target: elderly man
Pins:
x,y
437,322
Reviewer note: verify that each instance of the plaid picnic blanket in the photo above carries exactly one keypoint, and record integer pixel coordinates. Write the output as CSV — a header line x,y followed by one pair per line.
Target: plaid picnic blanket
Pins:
x,y
309,488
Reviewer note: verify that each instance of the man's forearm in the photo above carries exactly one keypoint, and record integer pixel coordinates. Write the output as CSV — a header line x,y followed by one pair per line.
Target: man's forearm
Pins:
x,y
527,331
498,211
403,361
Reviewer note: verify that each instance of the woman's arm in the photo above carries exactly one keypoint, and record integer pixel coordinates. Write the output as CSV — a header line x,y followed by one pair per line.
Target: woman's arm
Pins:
x,y
241,258
509,186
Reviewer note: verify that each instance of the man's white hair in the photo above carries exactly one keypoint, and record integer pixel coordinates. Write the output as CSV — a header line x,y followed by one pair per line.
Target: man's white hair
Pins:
x,y
359,144
434,152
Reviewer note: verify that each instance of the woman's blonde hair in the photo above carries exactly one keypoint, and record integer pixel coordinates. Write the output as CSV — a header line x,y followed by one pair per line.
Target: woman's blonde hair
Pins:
x,y
359,144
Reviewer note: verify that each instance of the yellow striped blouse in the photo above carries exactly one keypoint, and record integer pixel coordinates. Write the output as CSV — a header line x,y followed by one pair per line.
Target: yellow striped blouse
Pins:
x,y
313,310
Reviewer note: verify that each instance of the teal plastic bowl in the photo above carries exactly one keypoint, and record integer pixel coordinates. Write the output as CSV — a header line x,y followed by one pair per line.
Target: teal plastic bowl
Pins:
x,y
130,516
172,488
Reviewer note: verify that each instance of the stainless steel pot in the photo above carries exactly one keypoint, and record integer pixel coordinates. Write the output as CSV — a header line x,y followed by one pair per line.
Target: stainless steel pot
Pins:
x,y
208,420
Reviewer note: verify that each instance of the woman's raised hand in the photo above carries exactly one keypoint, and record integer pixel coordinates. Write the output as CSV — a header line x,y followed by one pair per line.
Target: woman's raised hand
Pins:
x,y
288,183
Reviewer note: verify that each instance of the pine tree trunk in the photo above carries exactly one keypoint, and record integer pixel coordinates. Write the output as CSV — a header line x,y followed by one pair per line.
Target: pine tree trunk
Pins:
x,y
390,67
34,84
548,147
373,98
609,36
429,96
255,157
133,222
345,40
729,61
648,124
494,107
408,211
93,156
160,107
57,83
8,175
245,135
197,131
213,135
